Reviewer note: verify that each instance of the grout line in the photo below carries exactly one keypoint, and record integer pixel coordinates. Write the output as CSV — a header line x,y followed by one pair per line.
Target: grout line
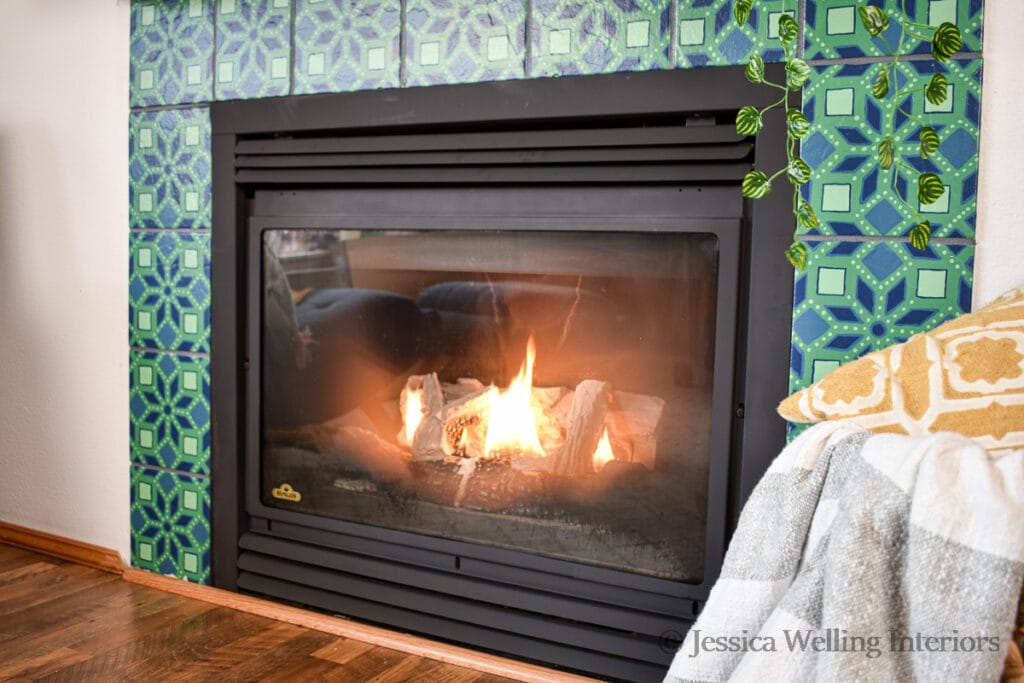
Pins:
x,y
927,57
213,58
528,40
403,48
291,49
161,468
173,230
164,107
801,18
166,352
673,28
962,241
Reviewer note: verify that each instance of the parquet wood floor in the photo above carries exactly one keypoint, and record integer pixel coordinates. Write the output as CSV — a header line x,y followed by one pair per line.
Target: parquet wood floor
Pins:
x,y
64,622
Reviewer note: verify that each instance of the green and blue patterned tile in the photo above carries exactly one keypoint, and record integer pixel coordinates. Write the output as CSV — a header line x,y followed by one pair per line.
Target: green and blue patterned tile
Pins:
x,y
707,34
834,30
171,52
253,48
170,411
170,518
571,37
169,291
464,41
169,169
857,297
848,190
346,45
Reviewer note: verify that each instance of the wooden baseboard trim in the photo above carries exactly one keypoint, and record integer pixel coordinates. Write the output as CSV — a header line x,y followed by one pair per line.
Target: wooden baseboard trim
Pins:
x,y
423,647
65,548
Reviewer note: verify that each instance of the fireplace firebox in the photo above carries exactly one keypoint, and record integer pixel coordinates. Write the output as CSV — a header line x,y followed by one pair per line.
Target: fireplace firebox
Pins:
x,y
494,363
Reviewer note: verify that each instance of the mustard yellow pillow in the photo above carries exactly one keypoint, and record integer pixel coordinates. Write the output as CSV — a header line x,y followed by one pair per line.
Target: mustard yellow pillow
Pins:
x,y
965,376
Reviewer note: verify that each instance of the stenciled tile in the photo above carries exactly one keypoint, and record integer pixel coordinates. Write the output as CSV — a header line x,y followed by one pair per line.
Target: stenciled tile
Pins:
x,y
169,168
253,48
571,37
170,411
170,518
857,297
464,41
171,52
707,34
345,45
849,191
169,291
834,29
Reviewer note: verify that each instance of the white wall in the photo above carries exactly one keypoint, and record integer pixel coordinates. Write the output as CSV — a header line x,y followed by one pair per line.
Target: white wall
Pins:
x,y
64,268
999,259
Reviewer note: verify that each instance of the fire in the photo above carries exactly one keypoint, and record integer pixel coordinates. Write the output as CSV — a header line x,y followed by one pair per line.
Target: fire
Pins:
x,y
511,425
413,412
603,453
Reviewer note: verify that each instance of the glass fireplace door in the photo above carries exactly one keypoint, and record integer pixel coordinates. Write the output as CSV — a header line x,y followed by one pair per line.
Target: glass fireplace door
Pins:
x,y
535,390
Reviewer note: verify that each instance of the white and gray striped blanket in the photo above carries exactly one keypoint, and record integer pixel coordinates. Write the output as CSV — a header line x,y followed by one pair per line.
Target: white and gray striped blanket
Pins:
x,y
868,557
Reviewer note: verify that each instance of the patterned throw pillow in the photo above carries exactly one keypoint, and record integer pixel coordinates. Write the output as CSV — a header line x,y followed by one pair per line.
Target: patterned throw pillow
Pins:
x,y
964,376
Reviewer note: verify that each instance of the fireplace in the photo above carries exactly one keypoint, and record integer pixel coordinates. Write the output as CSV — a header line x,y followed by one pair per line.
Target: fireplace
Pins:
x,y
494,363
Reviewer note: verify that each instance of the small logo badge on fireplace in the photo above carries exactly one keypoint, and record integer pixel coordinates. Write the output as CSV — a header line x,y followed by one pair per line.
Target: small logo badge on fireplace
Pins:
x,y
286,492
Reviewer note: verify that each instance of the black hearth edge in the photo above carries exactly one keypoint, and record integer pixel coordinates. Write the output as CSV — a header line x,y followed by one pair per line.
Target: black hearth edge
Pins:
x,y
589,619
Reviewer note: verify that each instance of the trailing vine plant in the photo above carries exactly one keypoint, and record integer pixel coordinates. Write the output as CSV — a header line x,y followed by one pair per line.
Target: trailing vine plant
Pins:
x,y
945,40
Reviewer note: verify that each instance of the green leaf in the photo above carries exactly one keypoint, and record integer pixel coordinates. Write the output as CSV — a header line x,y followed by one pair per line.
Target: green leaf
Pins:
x,y
936,89
798,171
797,73
788,29
756,185
874,19
946,42
748,121
797,124
920,234
806,216
741,10
929,188
755,69
929,142
886,153
797,255
880,88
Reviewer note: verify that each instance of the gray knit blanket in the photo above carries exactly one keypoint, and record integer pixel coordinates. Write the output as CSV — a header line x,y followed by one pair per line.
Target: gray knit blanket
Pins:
x,y
868,557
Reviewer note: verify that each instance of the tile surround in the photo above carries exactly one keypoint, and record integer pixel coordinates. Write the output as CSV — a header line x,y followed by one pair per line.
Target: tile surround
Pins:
x,y
855,296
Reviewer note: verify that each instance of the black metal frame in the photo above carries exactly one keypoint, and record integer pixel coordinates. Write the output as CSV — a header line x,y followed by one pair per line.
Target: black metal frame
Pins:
x,y
750,378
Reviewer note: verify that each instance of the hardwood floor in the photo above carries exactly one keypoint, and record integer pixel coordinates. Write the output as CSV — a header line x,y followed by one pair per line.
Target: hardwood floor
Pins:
x,y
64,622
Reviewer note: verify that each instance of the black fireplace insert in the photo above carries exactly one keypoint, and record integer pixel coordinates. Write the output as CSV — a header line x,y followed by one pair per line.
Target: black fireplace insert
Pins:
x,y
495,363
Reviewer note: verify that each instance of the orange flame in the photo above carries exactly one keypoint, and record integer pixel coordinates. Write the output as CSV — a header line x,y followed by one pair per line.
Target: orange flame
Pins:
x,y
511,425
413,412
603,453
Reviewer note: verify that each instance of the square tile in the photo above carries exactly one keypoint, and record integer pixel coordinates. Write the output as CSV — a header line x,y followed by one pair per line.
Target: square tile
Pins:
x,y
170,404
345,45
171,52
830,34
169,303
707,34
465,41
851,194
891,292
169,169
169,537
253,49
604,36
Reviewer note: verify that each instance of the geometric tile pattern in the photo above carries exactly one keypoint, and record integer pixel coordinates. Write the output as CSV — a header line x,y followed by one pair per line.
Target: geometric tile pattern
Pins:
x,y
851,195
346,45
169,291
834,30
707,34
571,37
464,41
171,52
169,168
856,297
253,48
170,518
170,411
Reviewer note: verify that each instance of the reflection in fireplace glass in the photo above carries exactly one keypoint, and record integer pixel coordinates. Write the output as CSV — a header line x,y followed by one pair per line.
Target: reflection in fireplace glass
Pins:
x,y
546,392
